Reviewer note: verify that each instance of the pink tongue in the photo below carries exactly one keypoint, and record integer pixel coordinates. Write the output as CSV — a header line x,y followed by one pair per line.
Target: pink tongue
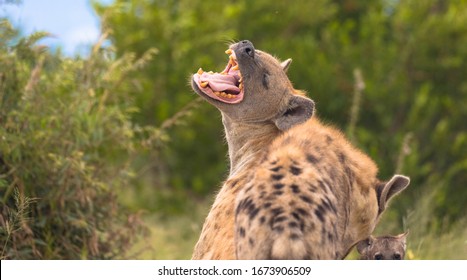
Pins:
x,y
220,82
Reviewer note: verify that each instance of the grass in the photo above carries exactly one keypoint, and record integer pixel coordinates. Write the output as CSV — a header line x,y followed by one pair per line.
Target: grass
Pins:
x,y
171,238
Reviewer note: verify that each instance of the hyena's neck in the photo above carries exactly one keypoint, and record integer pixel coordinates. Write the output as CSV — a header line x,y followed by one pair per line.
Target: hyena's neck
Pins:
x,y
246,141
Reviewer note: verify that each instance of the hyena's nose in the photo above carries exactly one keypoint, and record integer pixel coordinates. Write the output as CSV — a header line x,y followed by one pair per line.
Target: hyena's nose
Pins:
x,y
247,47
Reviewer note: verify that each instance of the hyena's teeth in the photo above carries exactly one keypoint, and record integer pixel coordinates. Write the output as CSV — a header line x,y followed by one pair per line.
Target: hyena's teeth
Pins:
x,y
200,71
240,80
229,51
217,93
235,67
210,72
232,61
230,95
240,86
204,84
223,94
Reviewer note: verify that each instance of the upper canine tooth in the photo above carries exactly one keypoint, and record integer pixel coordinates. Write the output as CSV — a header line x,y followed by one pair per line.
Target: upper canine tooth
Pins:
x,y
229,51
232,61
204,84
235,67
200,71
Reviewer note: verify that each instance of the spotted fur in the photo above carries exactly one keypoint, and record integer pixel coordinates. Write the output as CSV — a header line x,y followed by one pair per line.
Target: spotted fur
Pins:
x,y
312,196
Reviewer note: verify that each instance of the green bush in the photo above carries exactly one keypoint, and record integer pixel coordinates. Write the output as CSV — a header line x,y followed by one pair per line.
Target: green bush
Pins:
x,y
67,147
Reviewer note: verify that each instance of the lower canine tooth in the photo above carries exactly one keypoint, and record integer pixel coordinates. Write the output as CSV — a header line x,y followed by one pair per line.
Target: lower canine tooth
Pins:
x,y
229,51
204,84
200,71
240,86
235,67
232,61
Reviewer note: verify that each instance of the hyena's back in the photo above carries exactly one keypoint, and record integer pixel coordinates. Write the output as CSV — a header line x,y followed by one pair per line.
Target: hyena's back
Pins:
x,y
298,204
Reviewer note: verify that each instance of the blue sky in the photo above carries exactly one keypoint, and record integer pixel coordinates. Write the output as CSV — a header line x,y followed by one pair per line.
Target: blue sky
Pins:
x,y
73,23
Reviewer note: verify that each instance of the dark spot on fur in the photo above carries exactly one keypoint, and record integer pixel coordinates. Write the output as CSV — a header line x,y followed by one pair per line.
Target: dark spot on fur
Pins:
x,y
279,219
341,157
216,226
295,188
319,214
328,139
234,183
276,211
292,203
277,177
248,189
243,204
312,159
275,169
295,170
262,194
251,241
274,162
312,188
306,199
330,237
278,193
267,204
278,229
323,186
328,204
294,236
253,213
296,215
262,219
278,186
293,224
302,212
241,231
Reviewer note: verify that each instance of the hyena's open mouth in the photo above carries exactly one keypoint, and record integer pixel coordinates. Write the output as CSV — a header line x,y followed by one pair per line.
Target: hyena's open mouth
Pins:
x,y
226,86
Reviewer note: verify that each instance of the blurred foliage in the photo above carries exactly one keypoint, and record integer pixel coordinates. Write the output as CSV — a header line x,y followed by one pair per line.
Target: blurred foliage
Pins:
x,y
411,55
67,147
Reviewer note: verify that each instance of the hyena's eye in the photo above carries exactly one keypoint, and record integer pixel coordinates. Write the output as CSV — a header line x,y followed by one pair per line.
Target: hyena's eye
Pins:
x,y
266,80
397,256
378,256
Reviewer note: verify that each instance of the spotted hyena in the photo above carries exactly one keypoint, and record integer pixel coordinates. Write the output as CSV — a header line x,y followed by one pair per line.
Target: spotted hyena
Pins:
x,y
296,189
386,247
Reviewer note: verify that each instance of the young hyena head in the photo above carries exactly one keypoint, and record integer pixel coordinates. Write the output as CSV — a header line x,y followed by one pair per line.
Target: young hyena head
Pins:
x,y
253,88
383,247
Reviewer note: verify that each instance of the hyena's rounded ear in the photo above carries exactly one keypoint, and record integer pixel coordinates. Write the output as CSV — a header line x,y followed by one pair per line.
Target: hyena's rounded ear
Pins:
x,y
285,64
403,238
363,245
299,109
386,191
